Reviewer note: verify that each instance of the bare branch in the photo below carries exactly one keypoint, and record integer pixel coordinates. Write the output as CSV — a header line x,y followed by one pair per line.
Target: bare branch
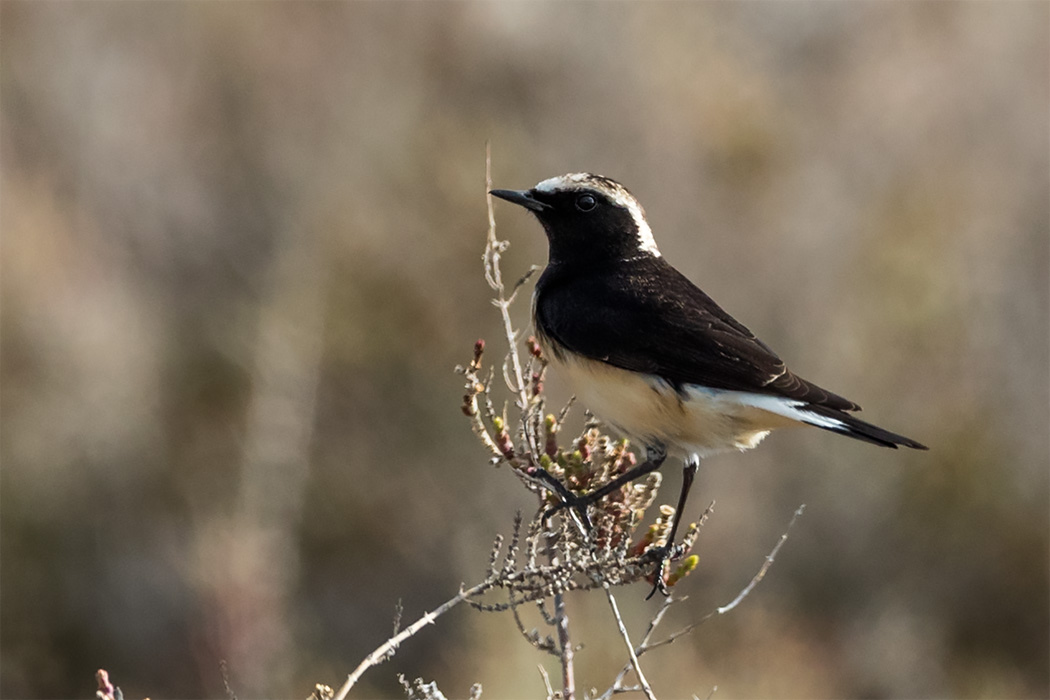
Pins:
x,y
646,645
398,610
521,282
225,671
546,682
630,647
533,637
765,566
565,648
493,249
658,618
389,648
670,639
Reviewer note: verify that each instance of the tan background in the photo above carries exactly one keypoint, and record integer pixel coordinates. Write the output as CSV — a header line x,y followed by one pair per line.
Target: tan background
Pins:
x,y
241,255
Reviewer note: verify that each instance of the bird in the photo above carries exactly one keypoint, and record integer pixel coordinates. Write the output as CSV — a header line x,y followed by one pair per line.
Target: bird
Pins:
x,y
651,354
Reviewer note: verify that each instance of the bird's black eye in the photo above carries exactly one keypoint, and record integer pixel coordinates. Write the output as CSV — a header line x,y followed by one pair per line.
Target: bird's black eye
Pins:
x,y
586,202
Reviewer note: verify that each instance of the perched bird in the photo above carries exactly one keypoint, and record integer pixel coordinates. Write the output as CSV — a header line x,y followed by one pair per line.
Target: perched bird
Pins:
x,y
648,351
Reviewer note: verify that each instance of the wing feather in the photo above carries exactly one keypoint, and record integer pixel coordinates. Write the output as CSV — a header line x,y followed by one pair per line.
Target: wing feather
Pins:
x,y
648,317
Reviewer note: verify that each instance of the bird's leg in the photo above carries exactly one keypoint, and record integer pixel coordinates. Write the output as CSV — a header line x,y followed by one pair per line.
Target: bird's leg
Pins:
x,y
567,497
654,457
664,553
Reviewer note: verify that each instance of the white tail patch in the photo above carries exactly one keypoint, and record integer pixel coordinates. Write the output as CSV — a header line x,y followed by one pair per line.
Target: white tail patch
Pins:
x,y
789,408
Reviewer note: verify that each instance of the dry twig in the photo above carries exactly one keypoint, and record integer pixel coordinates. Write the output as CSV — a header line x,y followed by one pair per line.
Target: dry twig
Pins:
x,y
645,645
630,647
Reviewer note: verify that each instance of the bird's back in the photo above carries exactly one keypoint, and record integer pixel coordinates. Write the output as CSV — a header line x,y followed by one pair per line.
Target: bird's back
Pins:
x,y
644,316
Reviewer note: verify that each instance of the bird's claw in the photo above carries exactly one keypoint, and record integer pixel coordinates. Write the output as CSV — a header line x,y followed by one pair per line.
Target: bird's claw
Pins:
x,y
663,556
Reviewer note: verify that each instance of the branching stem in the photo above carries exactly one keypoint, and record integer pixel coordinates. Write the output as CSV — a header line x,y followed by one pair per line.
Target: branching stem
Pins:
x,y
389,647
493,249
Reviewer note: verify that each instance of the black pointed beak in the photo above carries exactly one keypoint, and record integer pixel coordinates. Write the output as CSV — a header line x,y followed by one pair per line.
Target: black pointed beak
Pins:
x,y
521,197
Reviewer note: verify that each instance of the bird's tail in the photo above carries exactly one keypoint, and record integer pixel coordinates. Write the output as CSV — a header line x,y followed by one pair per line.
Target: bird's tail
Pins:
x,y
844,424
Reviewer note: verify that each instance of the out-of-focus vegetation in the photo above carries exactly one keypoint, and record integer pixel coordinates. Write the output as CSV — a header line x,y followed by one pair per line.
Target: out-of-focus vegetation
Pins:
x,y
241,255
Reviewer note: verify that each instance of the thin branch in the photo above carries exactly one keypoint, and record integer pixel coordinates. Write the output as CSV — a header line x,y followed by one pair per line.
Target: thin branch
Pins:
x,y
399,609
643,647
630,647
224,669
565,409
670,639
389,648
658,618
646,645
765,566
565,648
493,249
546,682
533,637
521,282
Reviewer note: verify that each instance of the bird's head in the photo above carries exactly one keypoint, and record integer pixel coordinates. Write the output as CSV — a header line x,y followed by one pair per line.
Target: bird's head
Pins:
x,y
587,217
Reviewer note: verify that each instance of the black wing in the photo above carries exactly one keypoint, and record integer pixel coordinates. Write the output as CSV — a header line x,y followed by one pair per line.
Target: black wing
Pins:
x,y
645,316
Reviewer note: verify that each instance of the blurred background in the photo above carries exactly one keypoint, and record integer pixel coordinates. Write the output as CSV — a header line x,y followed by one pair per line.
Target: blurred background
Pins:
x,y
241,257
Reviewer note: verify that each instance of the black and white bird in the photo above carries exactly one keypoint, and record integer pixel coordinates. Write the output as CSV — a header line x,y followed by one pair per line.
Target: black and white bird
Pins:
x,y
648,351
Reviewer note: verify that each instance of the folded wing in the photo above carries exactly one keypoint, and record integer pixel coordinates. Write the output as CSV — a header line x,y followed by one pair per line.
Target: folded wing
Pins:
x,y
652,319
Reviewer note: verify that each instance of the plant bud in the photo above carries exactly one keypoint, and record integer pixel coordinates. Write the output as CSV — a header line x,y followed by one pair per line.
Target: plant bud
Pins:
x,y
683,570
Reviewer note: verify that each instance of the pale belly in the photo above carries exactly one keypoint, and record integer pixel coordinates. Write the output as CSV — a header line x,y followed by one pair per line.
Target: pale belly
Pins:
x,y
700,421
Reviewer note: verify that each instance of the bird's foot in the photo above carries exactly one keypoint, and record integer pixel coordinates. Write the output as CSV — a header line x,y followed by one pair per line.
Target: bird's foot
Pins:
x,y
568,498
577,503
662,556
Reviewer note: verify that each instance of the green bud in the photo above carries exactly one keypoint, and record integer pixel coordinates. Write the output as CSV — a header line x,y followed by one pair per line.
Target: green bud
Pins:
x,y
683,570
